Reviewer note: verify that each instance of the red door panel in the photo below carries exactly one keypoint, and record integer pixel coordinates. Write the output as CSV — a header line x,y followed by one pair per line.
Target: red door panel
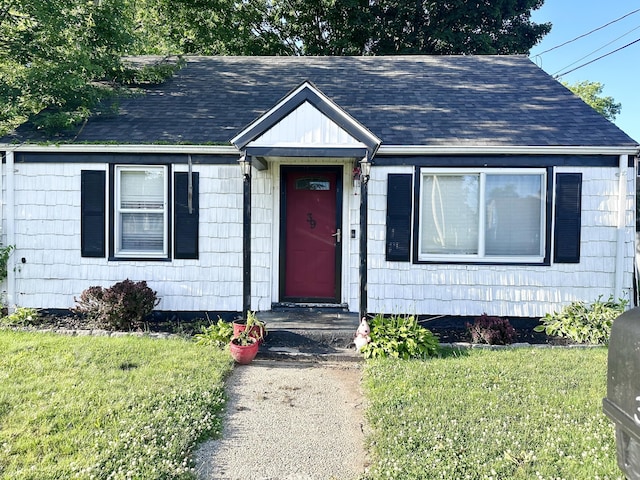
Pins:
x,y
310,228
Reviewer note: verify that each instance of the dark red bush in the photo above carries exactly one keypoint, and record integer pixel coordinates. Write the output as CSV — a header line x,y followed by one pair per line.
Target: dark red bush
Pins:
x,y
123,306
491,330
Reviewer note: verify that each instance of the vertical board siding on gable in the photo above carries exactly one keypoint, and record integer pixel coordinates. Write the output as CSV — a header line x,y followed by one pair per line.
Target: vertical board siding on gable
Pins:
x,y
527,291
48,227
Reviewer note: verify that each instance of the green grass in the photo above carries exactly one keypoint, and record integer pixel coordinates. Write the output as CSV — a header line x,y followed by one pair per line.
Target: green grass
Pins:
x,y
510,414
105,408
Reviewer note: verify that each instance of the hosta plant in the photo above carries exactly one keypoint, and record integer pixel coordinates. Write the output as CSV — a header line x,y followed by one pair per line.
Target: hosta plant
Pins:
x,y
399,336
491,330
21,317
584,323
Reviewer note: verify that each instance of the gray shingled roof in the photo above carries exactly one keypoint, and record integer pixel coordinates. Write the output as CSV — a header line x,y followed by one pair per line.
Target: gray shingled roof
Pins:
x,y
404,100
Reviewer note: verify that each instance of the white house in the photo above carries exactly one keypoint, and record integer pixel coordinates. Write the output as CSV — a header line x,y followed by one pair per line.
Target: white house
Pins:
x,y
434,185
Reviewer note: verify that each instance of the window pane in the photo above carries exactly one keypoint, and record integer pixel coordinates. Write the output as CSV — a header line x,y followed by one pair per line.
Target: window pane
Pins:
x,y
450,214
142,211
513,214
143,232
313,184
142,189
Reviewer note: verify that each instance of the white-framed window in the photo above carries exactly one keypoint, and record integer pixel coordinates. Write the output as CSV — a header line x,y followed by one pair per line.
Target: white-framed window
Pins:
x,y
475,214
141,213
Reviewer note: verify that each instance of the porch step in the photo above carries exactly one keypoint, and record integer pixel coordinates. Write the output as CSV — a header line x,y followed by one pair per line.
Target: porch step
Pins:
x,y
310,333
280,306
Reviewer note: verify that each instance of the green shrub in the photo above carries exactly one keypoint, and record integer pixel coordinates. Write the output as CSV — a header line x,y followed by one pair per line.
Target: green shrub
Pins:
x,y
216,335
491,330
584,323
5,252
399,336
21,317
123,306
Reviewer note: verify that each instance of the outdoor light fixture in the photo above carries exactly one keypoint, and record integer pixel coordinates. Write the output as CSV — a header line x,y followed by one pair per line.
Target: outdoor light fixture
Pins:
x,y
365,169
356,178
245,165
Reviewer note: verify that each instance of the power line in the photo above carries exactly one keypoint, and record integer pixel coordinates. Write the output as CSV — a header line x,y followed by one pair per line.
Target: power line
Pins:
x,y
557,75
588,33
598,49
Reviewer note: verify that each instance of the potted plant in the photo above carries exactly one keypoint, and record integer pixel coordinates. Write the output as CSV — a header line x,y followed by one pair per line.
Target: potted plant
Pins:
x,y
216,335
257,328
245,344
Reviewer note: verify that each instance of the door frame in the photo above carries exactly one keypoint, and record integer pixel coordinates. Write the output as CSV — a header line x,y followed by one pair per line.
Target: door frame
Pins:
x,y
285,170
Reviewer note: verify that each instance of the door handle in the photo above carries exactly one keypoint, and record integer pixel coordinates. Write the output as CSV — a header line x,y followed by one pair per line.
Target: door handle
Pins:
x,y
338,236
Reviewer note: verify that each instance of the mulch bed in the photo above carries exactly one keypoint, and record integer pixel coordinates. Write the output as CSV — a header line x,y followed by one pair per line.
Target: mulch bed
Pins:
x,y
452,330
447,329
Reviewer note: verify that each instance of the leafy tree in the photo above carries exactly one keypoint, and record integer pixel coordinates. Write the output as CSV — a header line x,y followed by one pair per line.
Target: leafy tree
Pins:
x,y
59,58
204,27
382,27
341,27
455,26
591,94
53,52
320,27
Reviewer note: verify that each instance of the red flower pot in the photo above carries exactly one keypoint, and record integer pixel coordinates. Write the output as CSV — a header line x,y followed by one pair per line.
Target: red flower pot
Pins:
x,y
244,354
257,331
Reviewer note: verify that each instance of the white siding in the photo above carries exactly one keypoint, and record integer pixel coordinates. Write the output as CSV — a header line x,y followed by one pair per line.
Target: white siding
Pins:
x,y
48,239
306,126
262,230
526,291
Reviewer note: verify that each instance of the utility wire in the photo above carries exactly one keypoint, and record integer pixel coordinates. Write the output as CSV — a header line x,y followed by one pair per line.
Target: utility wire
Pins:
x,y
557,75
598,49
588,33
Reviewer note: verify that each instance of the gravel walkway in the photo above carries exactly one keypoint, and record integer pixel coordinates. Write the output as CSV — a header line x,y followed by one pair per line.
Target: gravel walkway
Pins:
x,y
288,420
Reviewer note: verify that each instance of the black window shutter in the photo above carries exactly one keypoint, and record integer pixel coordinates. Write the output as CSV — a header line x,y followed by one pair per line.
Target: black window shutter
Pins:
x,y
186,223
568,212
398,238
92,213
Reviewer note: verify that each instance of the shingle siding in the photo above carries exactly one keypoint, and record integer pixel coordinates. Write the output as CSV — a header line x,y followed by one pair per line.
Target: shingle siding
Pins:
x,y
48,238
527,291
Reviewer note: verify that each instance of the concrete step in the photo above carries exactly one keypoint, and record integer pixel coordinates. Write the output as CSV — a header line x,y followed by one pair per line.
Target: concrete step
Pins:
x,y
318,333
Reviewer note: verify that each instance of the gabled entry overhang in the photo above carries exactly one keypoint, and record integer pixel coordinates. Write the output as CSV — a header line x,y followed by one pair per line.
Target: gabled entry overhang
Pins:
x,y
306,123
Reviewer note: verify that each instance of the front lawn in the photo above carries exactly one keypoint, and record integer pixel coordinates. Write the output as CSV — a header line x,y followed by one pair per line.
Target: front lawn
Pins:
x,y
509,414
108,408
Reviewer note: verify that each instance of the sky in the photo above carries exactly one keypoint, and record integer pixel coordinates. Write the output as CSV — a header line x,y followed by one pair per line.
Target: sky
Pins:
x,y
619,72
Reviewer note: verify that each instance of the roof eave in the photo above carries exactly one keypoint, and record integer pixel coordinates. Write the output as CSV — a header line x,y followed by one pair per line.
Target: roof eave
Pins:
x,y
122,148
507,150
384,150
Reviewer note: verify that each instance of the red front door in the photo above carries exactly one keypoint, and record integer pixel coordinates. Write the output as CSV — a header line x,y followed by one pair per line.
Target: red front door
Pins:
x,y
311,234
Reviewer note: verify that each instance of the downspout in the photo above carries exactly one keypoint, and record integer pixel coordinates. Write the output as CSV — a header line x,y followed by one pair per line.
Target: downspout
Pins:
x,y
245,164
621,226
11,231
365,168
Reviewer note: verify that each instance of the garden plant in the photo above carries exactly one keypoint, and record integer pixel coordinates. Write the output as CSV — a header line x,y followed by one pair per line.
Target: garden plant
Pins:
x,y
122,306
399,336
491,330
584,323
